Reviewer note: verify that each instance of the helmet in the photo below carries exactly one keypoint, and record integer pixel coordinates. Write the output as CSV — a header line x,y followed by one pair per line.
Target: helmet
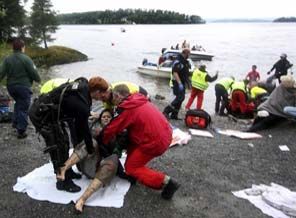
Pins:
x,y
283,55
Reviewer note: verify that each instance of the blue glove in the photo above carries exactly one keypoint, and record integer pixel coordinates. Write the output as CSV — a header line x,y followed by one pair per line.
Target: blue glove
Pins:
x,y
181,87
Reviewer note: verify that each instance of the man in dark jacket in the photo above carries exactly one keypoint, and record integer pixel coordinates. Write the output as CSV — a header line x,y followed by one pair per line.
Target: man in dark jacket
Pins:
x,y
20,72
149,135
180,79
281,67
66,105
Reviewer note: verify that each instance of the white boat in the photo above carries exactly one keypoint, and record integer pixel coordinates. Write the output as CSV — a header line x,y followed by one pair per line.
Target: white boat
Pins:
x,y
159,71
195,55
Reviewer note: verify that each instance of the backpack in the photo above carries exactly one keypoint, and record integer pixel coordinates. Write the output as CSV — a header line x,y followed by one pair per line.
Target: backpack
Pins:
x,y
5,107
197,119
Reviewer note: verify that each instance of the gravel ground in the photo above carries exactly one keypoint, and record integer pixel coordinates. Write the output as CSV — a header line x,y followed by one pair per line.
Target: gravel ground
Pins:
x,y
208,169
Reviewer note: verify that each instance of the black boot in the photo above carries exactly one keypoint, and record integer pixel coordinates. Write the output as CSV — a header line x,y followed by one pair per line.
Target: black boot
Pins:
x,y
174,115
169,189
73,175
67,185
167,110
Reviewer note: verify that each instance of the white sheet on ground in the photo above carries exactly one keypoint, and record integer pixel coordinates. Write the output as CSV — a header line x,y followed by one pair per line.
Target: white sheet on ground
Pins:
x,y
40,185
199,132
274,200
180,137
239,134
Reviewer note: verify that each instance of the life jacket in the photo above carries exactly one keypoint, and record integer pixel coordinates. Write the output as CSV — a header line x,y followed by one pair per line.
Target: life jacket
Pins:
x,y
197,119
133,88
239,86
256,91
226,82
52,100
198,80
52,84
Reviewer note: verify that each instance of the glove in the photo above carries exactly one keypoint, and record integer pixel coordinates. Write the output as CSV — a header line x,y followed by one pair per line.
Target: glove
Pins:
x,y
181,87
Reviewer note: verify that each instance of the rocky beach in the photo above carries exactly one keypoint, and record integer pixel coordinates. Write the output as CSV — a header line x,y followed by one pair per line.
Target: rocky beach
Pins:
x,y
208,169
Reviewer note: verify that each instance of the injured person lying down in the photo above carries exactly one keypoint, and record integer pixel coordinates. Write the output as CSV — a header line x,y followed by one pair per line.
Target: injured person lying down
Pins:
x,y
271,112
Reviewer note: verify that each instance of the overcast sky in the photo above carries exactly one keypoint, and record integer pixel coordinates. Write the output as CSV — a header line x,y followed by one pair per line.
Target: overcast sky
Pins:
x,y
204,8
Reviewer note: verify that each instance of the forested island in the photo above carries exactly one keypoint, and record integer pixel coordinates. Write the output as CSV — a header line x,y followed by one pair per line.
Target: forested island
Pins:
x,y
285,20
129,16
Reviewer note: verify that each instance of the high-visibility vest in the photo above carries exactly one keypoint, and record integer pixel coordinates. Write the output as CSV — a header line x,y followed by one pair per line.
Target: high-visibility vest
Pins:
x,y
256,90
133,88
52,84
226,82
239,86
198,80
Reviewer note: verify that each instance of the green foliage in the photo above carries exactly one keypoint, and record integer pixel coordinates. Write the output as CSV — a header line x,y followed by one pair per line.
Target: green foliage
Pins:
x,y
54,55
129,16
43,22
12,16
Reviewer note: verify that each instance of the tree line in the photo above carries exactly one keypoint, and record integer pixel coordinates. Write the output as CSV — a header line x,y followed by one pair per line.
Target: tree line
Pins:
x,y
36,27
129,16
285,20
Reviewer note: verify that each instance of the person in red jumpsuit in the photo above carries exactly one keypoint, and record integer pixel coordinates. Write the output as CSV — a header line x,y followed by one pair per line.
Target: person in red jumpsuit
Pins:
x,y
149,135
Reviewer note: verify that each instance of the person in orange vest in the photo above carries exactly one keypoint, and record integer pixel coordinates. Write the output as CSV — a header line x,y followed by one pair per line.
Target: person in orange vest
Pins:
x,y
200,82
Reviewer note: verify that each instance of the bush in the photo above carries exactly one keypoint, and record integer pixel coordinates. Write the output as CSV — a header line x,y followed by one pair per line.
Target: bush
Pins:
x,y
54,55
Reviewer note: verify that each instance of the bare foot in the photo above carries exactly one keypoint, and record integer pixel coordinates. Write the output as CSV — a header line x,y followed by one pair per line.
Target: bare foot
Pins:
x,y
79,206
61,175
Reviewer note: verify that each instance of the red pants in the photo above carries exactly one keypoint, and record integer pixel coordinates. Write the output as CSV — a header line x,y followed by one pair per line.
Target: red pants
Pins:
x,y
239,103
135,166
195,92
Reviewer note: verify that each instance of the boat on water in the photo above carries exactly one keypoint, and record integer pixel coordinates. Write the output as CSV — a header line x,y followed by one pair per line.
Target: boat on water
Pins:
x,y
162,71
195,55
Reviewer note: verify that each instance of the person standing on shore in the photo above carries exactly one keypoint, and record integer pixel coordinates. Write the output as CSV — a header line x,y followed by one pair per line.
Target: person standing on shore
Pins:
x,y
281,67
20,72
200,82
179,80
253,75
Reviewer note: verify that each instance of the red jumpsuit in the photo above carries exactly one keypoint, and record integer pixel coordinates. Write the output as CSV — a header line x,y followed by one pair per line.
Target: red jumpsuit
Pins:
x,y
149,135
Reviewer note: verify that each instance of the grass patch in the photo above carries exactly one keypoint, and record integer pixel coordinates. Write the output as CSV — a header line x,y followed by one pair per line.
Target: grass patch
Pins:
x,y
54,55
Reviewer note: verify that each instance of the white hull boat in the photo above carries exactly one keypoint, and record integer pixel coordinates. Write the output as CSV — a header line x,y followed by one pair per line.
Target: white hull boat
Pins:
x,y
194,54
159,71
154,71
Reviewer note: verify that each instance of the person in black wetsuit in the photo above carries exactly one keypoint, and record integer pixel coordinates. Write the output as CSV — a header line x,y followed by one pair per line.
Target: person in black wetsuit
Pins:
x,y
281,67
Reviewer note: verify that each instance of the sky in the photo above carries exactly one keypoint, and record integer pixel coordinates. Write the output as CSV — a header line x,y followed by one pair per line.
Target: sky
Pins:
x,y
207,9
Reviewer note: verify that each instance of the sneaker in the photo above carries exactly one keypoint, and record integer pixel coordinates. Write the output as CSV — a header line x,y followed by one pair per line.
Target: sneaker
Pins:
x,y
68,186
74,175
22,135
170,189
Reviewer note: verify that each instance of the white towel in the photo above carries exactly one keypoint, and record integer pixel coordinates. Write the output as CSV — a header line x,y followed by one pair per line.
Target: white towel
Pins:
x,y
274,200
40,184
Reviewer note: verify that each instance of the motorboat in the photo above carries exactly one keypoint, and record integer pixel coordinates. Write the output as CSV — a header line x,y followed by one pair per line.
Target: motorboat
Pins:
x,y
160,71
195,55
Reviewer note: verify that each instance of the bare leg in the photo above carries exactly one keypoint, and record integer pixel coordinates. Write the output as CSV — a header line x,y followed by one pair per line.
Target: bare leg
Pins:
x,y
72,160
94,186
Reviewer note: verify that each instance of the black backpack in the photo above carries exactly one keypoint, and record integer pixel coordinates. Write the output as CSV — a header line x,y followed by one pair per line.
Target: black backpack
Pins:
x,y
197,119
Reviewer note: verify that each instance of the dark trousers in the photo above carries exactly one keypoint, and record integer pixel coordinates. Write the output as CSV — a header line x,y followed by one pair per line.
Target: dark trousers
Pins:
x,y
221,97
261,123
176,104
22,97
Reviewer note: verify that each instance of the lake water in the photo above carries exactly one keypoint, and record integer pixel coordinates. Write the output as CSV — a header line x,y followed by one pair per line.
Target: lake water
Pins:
x,y
236,47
